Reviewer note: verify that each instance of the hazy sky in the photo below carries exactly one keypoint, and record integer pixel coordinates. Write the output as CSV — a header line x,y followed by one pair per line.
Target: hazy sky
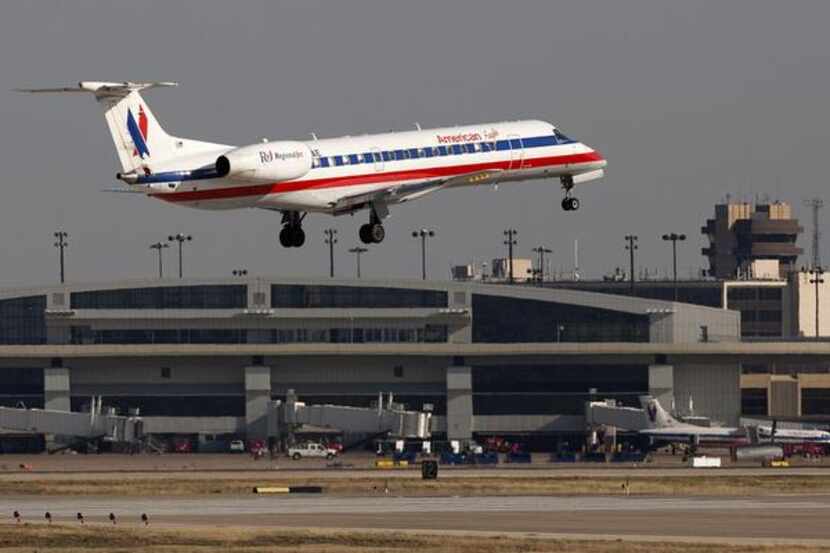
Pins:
x,y
689,100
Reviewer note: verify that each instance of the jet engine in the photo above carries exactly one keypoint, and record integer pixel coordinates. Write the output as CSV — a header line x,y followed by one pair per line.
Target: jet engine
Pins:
x,y
266,162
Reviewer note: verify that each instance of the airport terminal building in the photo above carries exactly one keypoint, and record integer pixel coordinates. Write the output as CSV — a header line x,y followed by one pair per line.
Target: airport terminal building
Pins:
x,y
206,355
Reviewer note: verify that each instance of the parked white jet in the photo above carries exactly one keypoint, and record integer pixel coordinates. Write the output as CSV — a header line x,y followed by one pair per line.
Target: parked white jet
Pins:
x,y
334,175
662,427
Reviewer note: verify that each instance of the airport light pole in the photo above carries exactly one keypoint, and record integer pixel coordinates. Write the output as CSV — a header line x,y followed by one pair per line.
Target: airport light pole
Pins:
x,y
817,279
510,241
674,237
423,234
331,240
181,239
631,246
357,250
61,243
160,246
541,250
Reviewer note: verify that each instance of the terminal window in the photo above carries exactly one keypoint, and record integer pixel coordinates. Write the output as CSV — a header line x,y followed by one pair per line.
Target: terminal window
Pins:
x,y
164,297
22,320
505,320
314,296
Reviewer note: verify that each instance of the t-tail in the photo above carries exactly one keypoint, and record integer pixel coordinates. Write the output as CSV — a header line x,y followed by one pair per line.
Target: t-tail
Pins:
x,y
656,416
142,144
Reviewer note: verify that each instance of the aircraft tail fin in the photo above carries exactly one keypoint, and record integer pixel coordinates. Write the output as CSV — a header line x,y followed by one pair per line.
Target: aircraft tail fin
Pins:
x,y
140,141
656,416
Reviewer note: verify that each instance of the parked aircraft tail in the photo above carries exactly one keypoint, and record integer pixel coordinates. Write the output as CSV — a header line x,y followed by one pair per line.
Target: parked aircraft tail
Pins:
x,y
656,416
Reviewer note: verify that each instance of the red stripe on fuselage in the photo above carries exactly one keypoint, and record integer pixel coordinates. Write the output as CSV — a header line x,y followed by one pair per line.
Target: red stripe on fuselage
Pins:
x,y
369,178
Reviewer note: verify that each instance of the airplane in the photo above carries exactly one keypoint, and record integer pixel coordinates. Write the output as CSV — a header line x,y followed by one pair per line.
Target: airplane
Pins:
x,y
662,427
334,176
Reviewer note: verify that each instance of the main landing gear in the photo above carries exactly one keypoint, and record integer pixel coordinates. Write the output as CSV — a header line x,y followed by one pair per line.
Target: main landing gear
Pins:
x,y
373,231
292,234
569,203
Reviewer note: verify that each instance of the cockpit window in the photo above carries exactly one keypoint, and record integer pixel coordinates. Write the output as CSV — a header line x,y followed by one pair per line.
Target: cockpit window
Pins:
x,y
561,138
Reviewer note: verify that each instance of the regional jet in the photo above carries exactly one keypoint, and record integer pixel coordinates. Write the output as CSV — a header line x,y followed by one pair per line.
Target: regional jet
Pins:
x,y
334,176
662,427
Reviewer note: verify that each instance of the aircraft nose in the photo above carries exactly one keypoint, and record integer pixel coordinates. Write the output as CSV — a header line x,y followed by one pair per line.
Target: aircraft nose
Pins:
x,y
598,159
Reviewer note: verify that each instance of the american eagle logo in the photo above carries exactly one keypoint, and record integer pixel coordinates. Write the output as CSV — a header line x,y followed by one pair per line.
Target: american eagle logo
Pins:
x,y
652,412
138,132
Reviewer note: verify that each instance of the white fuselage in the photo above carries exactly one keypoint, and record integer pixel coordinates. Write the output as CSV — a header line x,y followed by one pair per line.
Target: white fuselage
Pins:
x,y
354,165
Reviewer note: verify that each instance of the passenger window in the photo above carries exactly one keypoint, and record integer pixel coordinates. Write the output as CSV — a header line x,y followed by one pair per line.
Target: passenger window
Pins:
x,y
338,160
324,162
368,158
399,155
485,147
443,150
377,157
387,156
516,143
353,159
413,153
456,149
471,148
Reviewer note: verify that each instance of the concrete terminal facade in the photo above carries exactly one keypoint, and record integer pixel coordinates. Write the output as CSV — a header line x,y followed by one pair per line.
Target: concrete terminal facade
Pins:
x,y
206,355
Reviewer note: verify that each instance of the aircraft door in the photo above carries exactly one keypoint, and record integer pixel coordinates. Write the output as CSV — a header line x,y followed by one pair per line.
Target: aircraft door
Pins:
x,y
516,152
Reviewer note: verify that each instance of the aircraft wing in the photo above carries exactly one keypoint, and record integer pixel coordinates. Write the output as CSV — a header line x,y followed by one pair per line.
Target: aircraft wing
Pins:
x,y
405,192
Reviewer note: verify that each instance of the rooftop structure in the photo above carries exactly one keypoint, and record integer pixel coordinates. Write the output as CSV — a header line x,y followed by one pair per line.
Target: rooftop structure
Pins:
x,y
743,233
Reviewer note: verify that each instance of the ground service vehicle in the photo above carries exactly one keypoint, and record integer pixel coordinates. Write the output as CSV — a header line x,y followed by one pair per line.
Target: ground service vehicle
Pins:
x,y
311,449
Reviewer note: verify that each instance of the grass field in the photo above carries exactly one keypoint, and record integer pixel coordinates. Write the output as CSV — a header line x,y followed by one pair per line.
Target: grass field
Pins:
x,y
775,483
75,539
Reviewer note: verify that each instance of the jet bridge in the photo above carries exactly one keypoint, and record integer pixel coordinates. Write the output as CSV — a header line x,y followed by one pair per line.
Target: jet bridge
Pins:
x,y
388,418
89,426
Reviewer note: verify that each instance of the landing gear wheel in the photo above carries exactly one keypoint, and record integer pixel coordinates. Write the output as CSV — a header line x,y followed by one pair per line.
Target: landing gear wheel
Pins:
x,y
377,232
292,237
365,234
286,239
570,204
297,237
372,233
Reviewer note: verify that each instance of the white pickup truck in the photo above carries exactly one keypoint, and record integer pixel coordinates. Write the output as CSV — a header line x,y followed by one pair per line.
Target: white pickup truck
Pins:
x,y
311,449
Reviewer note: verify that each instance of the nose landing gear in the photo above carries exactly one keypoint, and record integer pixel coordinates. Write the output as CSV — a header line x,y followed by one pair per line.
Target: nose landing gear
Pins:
x,y
569,203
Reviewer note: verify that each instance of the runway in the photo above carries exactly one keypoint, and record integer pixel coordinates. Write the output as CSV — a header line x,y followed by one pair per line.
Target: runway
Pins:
x,y
800,519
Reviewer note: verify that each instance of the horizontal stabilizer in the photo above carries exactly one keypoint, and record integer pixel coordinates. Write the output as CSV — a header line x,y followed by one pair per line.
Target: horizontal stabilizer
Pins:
x,y
101,88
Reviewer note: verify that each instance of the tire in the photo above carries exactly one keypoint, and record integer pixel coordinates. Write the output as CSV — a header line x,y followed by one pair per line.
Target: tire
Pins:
x,y
297,237
286,238
296,456
330,456
378,233
365,234
566,204
574,204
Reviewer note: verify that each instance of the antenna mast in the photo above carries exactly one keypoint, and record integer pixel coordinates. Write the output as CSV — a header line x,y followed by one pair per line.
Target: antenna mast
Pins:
x,y
816,204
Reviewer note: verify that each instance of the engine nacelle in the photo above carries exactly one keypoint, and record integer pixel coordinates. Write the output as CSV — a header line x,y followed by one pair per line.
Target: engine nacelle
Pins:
x,y
266,162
